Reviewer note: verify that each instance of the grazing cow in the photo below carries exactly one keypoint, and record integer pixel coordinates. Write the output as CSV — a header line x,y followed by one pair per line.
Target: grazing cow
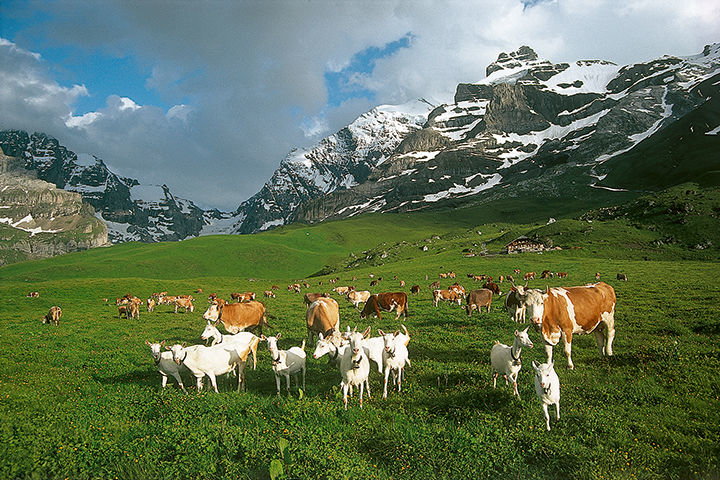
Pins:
x,y
33,294
237,317
562,312
132,310
477,299
597,276
457,288
309,298
622,276
546,274
124,310
307,285
199,290
446,296
516,271
529,276
243,297
561,274
322,316
493,287
342,290
53,316
501,279
402,283
443,275
275,287
415,289
514,305
294,287
357,297
451,275
269,294
435,285
387,302
150,304
185,303
373,283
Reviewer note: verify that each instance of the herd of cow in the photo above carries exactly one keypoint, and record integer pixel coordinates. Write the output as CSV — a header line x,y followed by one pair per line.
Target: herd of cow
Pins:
x,y
558,313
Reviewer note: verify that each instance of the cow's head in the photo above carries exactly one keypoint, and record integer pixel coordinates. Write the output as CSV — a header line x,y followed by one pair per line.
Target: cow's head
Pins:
x,y
212,314
534,302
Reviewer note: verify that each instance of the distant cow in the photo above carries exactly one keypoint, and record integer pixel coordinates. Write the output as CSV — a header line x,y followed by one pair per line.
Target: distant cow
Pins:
x,y
561,274
309,298
33,294
373,283
322,316
150,304
53,316
415,289
597,276
446,296
386,301
514,305
457,288
435,285
546,274
243,297
185,303
493,287
358,297
477,299
562,312
342,290
238,317
622,276
269,294
529,276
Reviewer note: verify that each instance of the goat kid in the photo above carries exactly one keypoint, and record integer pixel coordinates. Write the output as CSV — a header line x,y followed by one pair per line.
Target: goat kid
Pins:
x,y
395,357
547,387
286,362
506,360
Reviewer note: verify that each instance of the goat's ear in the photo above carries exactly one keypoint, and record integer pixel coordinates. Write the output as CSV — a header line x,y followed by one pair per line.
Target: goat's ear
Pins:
x,y
517,333
263,338
381,333
320,336
162,343
366,333
535,365
552,364
147,343
168,347
396,333
277,337
526,329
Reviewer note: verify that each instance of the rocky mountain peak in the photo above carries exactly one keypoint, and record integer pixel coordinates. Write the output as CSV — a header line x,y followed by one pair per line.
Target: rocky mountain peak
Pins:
x,y
506,61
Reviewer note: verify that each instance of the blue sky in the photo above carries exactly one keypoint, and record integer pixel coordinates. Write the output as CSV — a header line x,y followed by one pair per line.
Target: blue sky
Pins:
x,y
219,91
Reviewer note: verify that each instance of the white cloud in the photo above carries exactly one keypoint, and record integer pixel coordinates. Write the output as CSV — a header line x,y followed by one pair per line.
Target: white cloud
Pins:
x,y
238,73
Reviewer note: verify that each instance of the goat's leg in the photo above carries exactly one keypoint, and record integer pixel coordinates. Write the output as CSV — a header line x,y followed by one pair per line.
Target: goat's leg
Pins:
x,y
345,392
362,385
547,416
399,379
387,374
303,374
287,382
494,376
367,387
164,380
557,410
213,381
199,383
277,383
179,381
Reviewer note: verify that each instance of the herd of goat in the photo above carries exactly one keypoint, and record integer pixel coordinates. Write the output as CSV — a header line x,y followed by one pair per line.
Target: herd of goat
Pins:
x,y
351,351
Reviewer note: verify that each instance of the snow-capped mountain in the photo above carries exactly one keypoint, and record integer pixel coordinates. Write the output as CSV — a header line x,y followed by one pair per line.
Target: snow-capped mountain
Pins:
x,y
132,211
552,130
336,163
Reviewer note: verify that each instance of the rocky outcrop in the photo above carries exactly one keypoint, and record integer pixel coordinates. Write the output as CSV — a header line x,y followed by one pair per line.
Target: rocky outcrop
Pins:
x,y
38,220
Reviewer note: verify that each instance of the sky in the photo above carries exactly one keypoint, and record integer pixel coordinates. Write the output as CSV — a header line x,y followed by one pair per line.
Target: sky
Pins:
x,y
208,96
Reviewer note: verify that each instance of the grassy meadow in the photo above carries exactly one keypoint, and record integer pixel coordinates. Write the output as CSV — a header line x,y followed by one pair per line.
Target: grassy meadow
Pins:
x,y
83,400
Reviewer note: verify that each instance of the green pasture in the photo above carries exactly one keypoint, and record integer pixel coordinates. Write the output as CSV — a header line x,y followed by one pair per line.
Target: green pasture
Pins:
x,y
82,400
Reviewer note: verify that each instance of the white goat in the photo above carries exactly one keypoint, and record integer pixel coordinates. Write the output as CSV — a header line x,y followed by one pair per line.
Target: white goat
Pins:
x,y
286,362
229,340
215,360
331,345
373,349
395,357
547,387
355,366
165,364
506,360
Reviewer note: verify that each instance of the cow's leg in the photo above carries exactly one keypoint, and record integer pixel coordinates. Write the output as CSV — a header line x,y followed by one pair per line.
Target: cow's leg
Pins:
x,y
600,339
548,352
547,416
567,344
609,319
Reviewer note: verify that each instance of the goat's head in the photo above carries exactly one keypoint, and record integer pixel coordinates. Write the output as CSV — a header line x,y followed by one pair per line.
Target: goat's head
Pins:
x,y
155,349
544,374
178,352
523,338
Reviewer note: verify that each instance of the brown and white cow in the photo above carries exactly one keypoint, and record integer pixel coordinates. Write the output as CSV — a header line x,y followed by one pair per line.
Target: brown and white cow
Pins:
x,y
185,303
357,297
561,274
238,317
386,301
33,294
243,297
150,304
562,312
446,296
529,276
493,287
269,294
322,316
622,276
457,288
343,290
477,299
53,316
415,289
309,298
513,304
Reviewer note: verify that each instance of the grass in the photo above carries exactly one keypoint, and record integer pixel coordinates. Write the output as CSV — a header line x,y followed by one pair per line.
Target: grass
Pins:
x,y
83,400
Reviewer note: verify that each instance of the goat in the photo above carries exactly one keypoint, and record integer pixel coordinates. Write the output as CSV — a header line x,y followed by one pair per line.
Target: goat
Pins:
x,y
395,357
333,344
214,361
165,364
286,362
506,360
373,349
547,387
355,366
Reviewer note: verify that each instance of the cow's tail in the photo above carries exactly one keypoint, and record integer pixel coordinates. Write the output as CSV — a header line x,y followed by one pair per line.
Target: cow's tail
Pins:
x,y
265,322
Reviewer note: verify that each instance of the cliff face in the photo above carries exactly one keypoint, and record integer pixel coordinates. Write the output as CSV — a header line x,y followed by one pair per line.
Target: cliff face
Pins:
x,y
38,220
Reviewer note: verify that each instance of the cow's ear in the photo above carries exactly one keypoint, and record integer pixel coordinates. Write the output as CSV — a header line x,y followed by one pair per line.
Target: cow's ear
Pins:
x,y
545,296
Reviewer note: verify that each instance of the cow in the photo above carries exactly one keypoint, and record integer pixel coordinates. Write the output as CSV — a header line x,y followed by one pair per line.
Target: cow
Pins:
x,y
415,289
243,297
435,285
238,317
342,290
402,283
501,279
33,295
477,299
185,303
457,288
597,276
562,312
322,316
529,276
546,274
132,310
516,271
309,298
275,287
269,294
447,296
493,287
356,297
387,302
373,283
53,316
150,304
622,276
513,304
561,274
